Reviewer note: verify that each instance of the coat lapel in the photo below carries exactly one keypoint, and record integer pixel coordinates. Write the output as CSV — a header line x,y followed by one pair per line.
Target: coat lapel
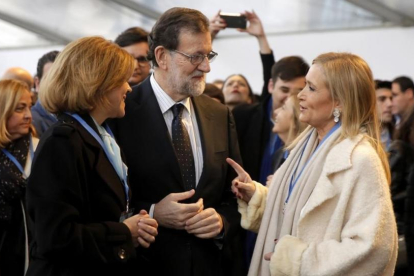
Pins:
x,y
103,166
337,160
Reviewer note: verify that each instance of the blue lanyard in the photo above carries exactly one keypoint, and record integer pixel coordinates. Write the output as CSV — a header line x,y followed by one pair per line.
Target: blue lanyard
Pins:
x,y
14,160
293,181
98,138
285,154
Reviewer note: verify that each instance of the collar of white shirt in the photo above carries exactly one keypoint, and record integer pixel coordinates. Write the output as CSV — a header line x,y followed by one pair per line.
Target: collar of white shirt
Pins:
x,y
164,100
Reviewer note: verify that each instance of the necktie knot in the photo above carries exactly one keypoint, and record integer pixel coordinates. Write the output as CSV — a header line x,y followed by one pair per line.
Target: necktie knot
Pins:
x,y
177,110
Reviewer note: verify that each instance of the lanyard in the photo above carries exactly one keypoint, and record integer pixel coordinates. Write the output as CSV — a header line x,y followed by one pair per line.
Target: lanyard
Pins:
x,y
293,181
98,138
14,160
285,154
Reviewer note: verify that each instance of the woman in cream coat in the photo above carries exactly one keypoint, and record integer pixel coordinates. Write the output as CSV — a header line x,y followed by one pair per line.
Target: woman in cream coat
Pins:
x,y
328,210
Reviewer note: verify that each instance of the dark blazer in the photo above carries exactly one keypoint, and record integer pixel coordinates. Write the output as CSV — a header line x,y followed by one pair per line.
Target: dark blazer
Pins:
x,y
42,119
154,173
253,130
253,126
74,200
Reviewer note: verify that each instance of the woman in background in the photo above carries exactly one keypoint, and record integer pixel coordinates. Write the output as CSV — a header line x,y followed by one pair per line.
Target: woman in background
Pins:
x,y
237,91
17,145
78,195
287,125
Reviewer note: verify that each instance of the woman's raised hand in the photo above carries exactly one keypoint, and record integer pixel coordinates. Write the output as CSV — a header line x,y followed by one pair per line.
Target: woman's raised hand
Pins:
x,y
242,186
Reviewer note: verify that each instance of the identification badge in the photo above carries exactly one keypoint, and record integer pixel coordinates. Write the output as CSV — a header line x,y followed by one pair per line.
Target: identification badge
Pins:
x,y
126,214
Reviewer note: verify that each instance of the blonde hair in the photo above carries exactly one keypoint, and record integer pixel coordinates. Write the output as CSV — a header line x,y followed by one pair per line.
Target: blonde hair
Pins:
x,y
11,91
296,126
349,80
83,73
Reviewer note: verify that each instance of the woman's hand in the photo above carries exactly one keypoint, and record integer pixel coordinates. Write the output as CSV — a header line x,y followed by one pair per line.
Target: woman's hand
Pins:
x,y
143,229
242,186
268,256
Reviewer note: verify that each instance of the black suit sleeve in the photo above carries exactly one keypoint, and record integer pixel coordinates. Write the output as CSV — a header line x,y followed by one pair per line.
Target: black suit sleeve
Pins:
x,y
267,63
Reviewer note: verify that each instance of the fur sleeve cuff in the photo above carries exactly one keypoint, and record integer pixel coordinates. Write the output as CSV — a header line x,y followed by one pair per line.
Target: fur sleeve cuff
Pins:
x,y
252,213
286,259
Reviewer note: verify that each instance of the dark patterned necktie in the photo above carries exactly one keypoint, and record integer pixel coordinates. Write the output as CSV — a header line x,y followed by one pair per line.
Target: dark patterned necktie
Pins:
x,y
182,145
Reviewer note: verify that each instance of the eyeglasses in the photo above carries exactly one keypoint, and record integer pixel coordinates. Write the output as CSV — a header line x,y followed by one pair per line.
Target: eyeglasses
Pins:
x,y
198,59
142,61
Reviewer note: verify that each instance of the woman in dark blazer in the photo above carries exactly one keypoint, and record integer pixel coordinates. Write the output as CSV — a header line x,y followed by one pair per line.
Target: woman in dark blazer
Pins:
x,y
78,196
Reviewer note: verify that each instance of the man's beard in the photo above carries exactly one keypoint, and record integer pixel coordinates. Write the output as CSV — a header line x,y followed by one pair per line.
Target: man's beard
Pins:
x,y
188,87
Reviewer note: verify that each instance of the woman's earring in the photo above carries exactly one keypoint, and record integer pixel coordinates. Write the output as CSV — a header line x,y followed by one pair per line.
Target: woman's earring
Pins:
x,y
336,114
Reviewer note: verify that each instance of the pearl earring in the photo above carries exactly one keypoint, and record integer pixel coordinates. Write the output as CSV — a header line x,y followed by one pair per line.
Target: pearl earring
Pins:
x,y
336,114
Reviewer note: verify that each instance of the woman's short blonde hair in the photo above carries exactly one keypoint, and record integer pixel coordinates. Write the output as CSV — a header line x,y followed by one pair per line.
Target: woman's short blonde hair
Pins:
x,y
11,91
83,73
350,81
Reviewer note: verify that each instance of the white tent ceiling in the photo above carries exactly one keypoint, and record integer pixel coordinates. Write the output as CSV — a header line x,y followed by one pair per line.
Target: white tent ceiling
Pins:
x,y
34,23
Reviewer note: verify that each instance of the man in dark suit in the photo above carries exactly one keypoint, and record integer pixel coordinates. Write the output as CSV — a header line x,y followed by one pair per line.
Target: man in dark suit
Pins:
x,y
196,211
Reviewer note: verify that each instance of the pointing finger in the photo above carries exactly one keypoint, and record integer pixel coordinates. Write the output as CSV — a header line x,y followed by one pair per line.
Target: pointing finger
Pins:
x,y
239,170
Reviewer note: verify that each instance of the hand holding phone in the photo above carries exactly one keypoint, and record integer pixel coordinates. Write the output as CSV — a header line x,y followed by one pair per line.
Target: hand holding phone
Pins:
x,y
234,20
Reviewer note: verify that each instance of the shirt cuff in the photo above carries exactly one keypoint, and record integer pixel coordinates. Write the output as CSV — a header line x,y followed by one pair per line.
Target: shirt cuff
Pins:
x,y
151,211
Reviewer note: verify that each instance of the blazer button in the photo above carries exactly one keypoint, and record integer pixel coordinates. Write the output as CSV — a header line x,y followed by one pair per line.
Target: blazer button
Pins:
x,y
122,254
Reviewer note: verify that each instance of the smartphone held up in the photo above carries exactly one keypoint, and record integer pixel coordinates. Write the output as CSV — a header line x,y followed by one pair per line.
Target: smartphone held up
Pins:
x,y
234,20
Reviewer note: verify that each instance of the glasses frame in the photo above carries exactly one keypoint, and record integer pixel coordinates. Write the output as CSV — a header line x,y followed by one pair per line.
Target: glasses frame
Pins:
x,y
212,55
141,61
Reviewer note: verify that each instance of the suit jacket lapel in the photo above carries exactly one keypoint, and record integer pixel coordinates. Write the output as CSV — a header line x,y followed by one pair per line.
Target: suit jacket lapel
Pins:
x,y
205,122
148,117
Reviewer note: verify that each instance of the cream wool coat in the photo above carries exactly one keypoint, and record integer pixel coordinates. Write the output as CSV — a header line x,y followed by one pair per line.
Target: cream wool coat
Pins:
x,y
347,227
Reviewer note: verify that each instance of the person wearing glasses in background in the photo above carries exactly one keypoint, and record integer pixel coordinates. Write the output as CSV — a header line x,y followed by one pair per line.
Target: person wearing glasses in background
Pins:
x,y
135,41
189,197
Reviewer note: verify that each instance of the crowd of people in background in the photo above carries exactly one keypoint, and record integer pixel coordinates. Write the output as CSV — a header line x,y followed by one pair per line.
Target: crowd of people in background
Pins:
x,y
134,165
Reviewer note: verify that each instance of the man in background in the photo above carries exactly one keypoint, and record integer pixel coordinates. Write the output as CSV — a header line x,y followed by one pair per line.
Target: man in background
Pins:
x,y
42,119
402,97
384,108
135,41
17,73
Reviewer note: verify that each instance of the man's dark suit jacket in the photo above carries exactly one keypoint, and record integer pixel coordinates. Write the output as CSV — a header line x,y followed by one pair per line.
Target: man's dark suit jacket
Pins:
x,y
154,173
74,200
